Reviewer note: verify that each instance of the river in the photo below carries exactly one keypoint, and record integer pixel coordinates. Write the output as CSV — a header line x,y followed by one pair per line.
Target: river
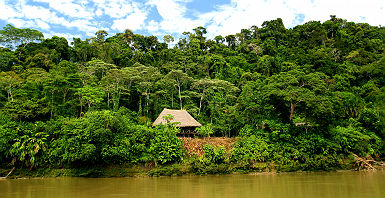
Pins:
x,y
347,184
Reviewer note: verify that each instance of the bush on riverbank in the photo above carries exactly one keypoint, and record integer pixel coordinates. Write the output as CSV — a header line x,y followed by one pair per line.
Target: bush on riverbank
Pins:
x,y
105,138
97,138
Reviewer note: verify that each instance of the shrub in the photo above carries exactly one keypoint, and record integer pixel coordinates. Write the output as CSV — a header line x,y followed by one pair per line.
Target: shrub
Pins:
x,y
353,139
205,130
214,155
165,145
251,149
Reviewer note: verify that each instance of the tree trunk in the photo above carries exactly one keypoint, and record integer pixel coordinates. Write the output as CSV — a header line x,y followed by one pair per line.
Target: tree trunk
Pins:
x,y
81,105
292,106
64,95
10,94
172,100
51,103
108,100
180,97
147,100
200,104
323,42
116,100
140,111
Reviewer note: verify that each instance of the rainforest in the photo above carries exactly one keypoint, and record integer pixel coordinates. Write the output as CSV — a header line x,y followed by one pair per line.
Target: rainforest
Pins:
x,y
309,97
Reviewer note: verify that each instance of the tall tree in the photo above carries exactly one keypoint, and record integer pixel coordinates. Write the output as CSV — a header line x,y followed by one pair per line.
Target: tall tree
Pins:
x,y
295,87
147,76
8,59
14,37
9,81
210,88
178,79
168,39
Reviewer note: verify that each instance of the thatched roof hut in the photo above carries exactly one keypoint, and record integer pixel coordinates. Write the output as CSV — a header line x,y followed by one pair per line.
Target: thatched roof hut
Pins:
x,y
182,117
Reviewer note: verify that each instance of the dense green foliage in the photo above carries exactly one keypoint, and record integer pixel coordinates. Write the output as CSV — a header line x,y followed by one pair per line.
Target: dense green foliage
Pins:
x,y
97,138
305,97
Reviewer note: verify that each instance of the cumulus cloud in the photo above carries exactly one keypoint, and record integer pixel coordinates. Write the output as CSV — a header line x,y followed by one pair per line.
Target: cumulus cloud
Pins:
x,y
169,9
370,11
153,26
231,18
37,12
81,25
43,25
20,23
7,11
159,17
115,8
134,21
173,13
70,8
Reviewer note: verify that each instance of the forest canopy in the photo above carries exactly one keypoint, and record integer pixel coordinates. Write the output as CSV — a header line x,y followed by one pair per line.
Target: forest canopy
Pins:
x,y
322,84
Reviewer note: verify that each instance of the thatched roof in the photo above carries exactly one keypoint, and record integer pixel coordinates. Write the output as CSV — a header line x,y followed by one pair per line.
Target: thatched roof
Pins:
x,y
183,118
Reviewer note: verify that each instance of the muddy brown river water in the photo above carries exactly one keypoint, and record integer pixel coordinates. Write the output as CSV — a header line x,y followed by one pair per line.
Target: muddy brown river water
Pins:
x,y
283,185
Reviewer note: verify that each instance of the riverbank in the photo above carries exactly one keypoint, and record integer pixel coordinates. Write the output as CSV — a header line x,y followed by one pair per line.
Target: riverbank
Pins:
x,y
191,167
202,156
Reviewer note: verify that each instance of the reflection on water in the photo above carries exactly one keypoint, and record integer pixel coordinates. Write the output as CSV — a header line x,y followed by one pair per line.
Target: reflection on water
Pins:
x,y
298,185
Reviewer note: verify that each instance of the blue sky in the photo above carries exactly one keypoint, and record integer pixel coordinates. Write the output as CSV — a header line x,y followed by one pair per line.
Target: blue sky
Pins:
x,y
82,18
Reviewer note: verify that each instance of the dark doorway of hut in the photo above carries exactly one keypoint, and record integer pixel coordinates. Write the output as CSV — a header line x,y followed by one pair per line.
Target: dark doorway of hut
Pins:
x,y
187,132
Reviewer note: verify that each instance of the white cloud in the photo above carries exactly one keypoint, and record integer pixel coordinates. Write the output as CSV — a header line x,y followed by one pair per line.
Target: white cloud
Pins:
x,y
37,12
41,15
116,9
43,25
152,26
24,15
82,25
20,23
231,18
89,16
70,8
134,21
169,9
7,11
173,13
352,10
98,12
